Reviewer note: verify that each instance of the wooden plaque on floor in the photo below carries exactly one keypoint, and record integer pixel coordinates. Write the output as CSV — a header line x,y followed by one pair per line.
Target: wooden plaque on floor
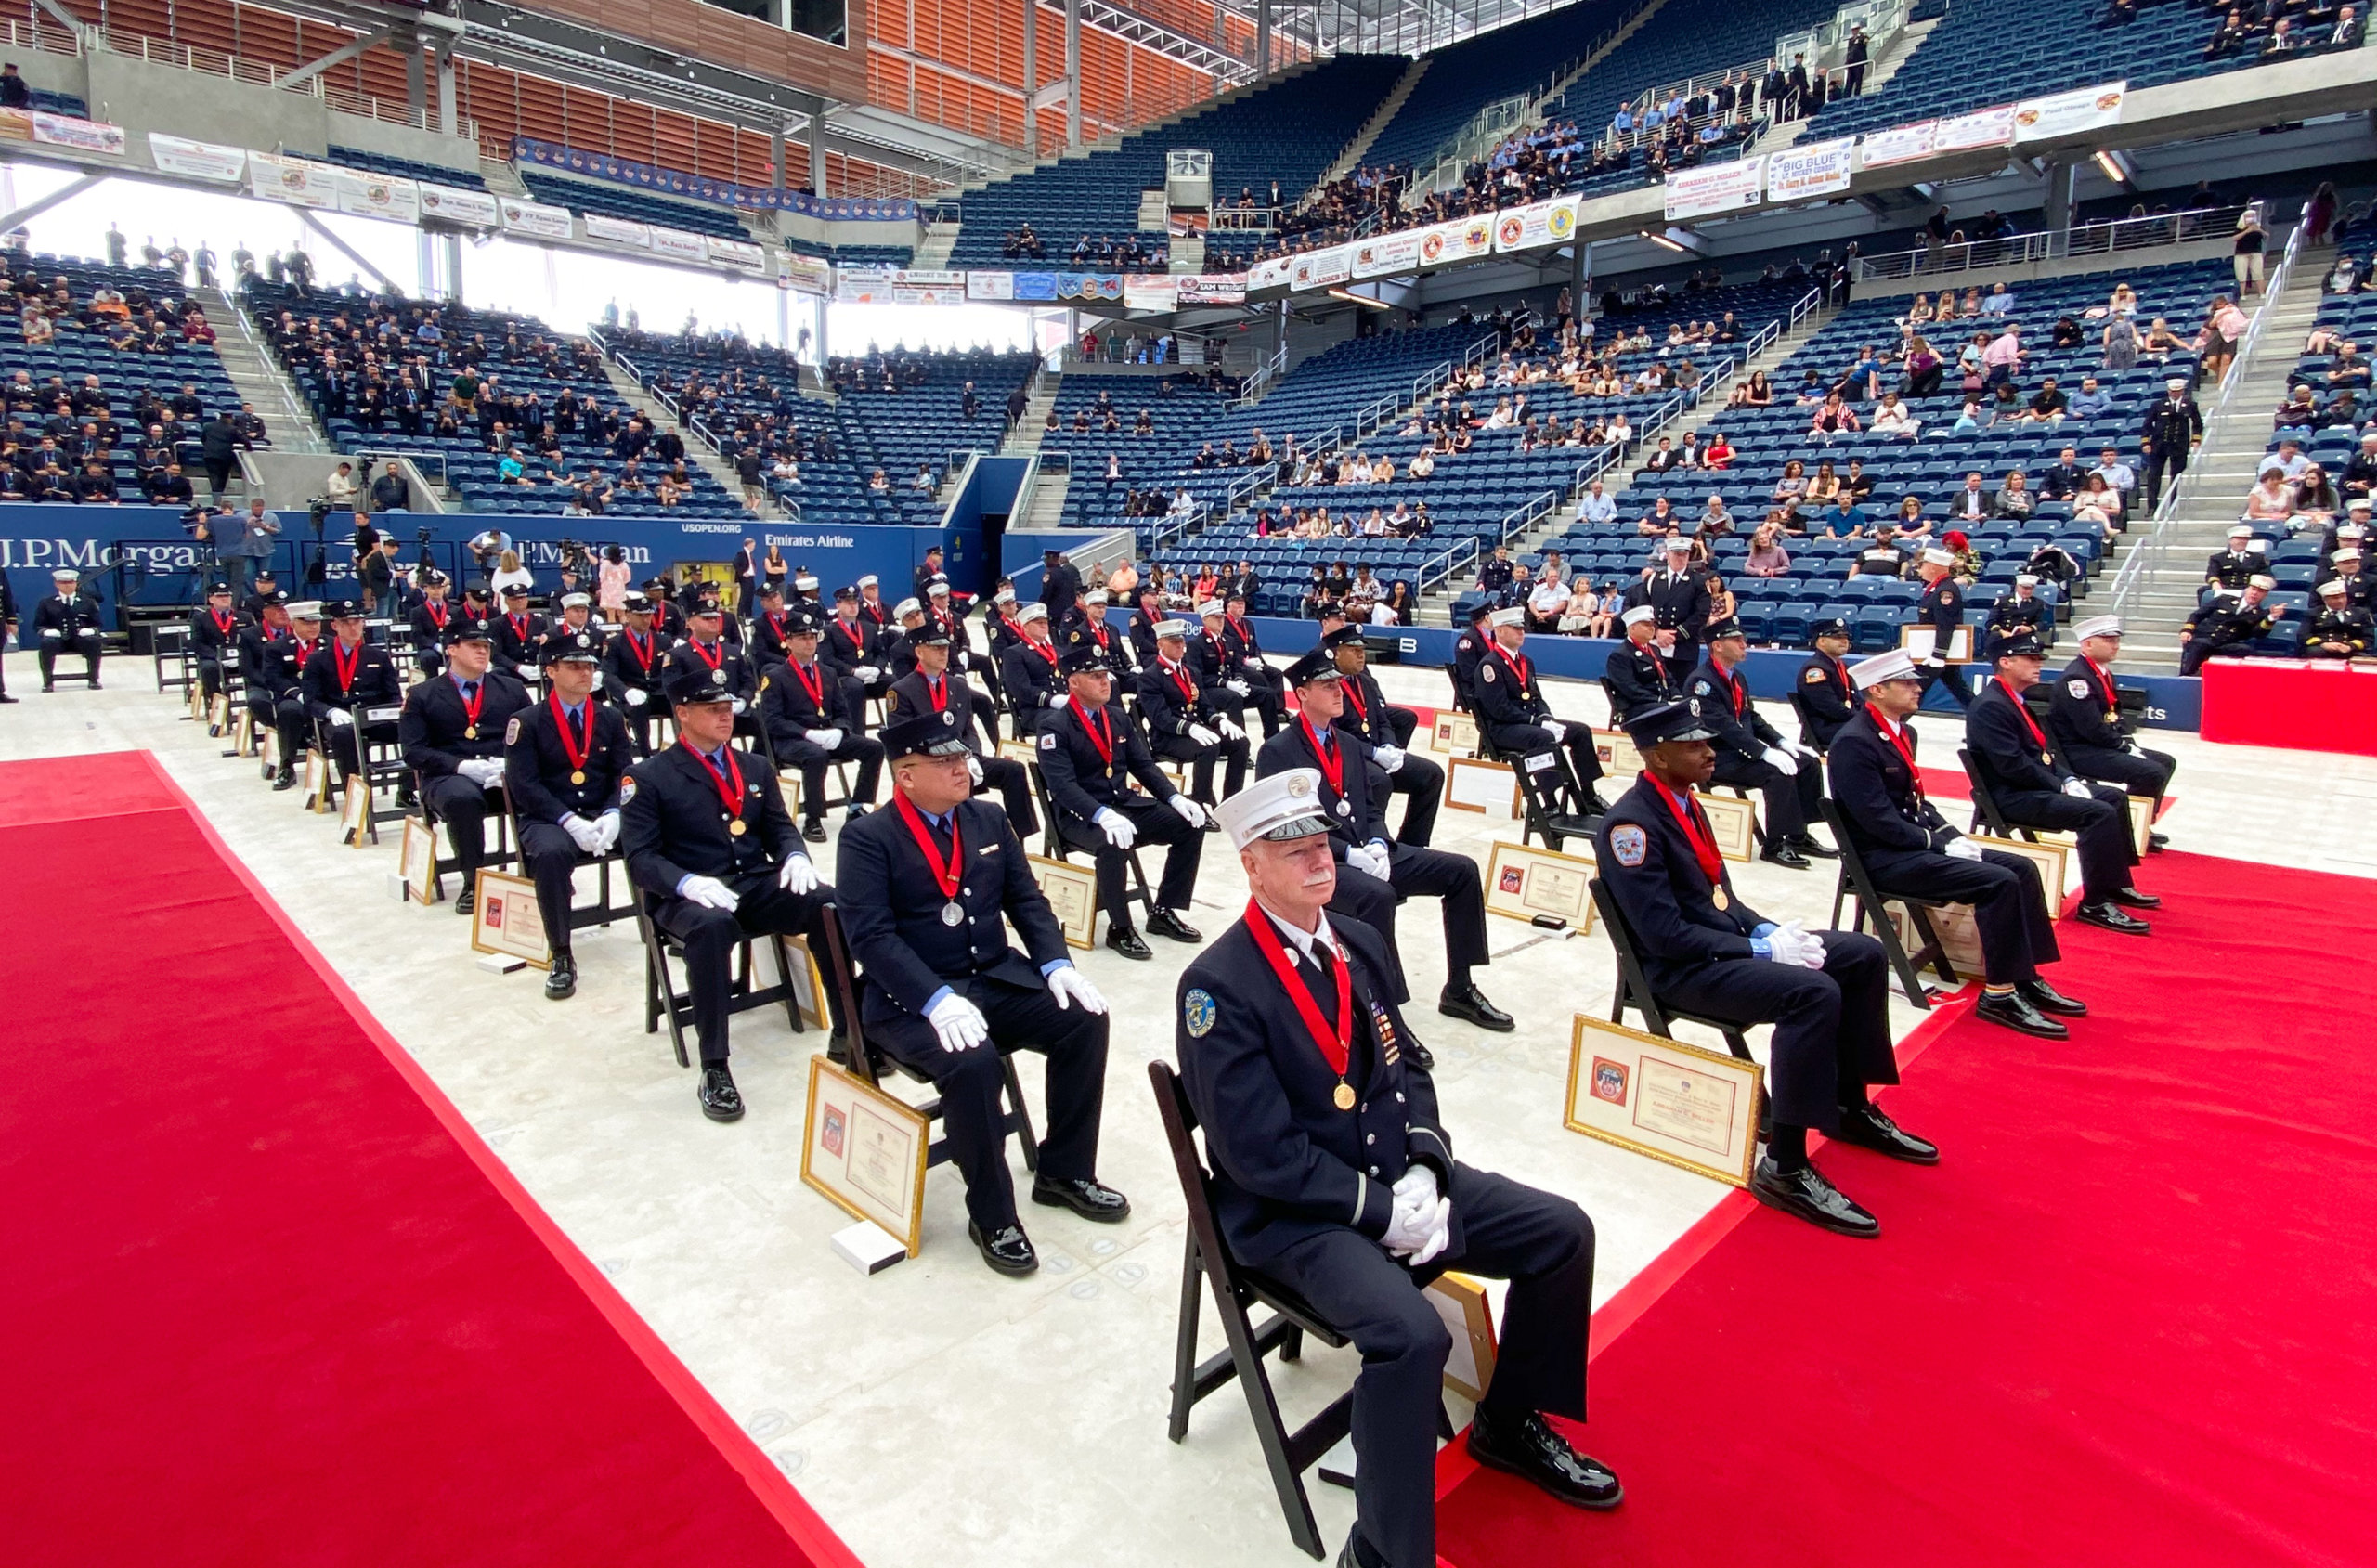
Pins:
x,y
2053,860
1455,734
807,981
1462,1302
1677,1103
507,921
1072,892
243,733
417,861
1619,758
1733,820
1490,787
1540,887
1959,935
2141,822
866,1151
317,781
355,813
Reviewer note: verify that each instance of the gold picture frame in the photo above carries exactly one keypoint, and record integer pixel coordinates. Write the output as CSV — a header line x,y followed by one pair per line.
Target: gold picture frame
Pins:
x,y
2053,860
1462,1302
1540,887
1682,1106
316,787
808,979
866,1152
1733,822
356,829
2141,822
1453,733
417,860
507,921
1487,788
1072,892
1017,751
1620,757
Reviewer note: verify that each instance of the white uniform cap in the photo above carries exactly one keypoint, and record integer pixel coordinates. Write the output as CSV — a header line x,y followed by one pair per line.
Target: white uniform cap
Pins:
x,y
1679,542
2352,531
1005,596
65,575
1030,613
306,610
2097,626
2261,580
2333,585
1514,615
1174,628
1894,665
1212,608
2341,556
1094,596
2175,383
907,607
1935,556
870,580
805,582
2241,531
1637,614
2026,579
2359,503
1283,806
569,599
938,588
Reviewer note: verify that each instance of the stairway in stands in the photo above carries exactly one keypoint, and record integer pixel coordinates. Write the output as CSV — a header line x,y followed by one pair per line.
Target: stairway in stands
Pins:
x,y
706,457
259,378
1041,397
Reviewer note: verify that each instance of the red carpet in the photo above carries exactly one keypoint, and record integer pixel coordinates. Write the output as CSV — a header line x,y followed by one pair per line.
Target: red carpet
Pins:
x,y
2132,1317
269,1298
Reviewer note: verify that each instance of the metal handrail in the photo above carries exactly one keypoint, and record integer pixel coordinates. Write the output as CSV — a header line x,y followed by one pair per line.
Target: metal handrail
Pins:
x,y
1448,564
2103,238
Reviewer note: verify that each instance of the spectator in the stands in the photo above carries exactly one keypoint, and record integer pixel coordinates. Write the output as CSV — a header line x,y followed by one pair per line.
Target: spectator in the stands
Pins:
x,y
2047,405
2272,500
2014,498
2288,459
14,94
2097,502
1767,558
339,488
389,492
2091,401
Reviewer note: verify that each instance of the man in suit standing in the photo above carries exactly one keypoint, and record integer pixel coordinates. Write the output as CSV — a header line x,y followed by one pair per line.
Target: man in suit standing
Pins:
x,y
746,579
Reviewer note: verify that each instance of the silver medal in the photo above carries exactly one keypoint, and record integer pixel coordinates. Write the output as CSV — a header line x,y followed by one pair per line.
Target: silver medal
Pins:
x,y
1344,806
952,913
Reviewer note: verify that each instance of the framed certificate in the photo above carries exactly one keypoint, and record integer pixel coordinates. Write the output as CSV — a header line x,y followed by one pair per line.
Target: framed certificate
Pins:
x,y
866,1151
808,980
1016,751
1733,820
218,714
1677,1103
1490,788
2053,860
417,861
2141,820
1921,642
1541,886
243,733
1460,1300
197,701
355,814
1959,935
1455,734
507,920
317,781
1072,892
1619,757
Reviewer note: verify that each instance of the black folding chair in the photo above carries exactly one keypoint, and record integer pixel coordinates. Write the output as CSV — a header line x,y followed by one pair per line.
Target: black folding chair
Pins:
x,y
501,855
176,661
841,770
1985,814
868,1061
1634,987
601,912
1858,883
1807,723
1052,838
664,1000
1541,810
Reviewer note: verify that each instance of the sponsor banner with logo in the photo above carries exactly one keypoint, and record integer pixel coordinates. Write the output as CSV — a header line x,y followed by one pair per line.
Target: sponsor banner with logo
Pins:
x,y
927,286
1039,285
700,187
88,135
1387,254
1983,128
990,285
676,244
1212,288
292,182
367,195
539,221
1899,144
1089,286
2063,114
1270,273
1812,169
864,285
475,209
1151,291
619,231
199,160
929,278
740,254
1716,188
811,274
1324,269
1536,224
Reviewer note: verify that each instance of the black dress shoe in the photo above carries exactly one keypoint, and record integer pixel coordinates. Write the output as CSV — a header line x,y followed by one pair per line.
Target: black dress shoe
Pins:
x,y
2013,1010
1090,1199
1777,852
561,982
837,1049
285,779
2111,918
1808,845
1006,1249
2130,898
813,831
4,698
1529,1448
1868,1128
467,901
722,1101
1124,941
1468,1002
1805,1193
2046,999
1163,923
2157,842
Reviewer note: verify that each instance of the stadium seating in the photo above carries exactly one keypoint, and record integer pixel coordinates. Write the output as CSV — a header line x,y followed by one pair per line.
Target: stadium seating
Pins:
x,y
1288,131
1522,57
405,168
631,205
852,255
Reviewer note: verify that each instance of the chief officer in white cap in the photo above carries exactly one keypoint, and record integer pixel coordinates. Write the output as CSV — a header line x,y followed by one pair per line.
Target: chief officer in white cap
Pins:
x,y
67,622
2084,713
1333,1177
1941,609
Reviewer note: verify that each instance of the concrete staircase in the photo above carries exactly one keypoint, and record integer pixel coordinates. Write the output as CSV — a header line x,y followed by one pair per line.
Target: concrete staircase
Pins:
x,y
932,251
1187,254
2219,473
706,457
1447,168
1154,211
502,179
258,377
1047,508
1348,161
1024,438
1878,69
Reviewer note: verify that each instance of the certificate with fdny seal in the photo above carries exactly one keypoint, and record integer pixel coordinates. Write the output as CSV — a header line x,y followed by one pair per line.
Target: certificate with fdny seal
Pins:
x,y
1490,788
1072,892
1455,734
1677,1103
866,1151
507,920
1541,886
1620,758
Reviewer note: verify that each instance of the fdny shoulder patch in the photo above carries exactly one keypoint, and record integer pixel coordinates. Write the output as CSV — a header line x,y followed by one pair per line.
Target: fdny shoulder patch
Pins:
x,y
2076,686
1484,672
627,789
1049,740
1629,844
1198,1012
1814,676
512,731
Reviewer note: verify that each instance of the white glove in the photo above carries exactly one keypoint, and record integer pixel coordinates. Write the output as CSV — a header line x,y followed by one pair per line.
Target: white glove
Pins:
x,y
1438,1239
585,835
484,771
608,825
1116,826
710,893
1789,944
1254,664
1061,699
1780,759
1203,736
974,770
1371,858
1190,813
1962,849
1389,757
1407,1233
1069,985
1804,752
823,739
1935,662
637,696
1229,727
1415,1190
340,716
798,874
959,1023
866,672
2078,789
1237,688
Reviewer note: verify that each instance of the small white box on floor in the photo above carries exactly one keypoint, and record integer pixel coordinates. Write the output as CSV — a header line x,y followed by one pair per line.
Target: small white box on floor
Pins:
x,y
868,1248
501,963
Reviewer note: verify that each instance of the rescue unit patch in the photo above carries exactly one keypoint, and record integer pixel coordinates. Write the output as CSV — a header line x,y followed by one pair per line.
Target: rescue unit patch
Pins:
x,y
1629,844
1196,1011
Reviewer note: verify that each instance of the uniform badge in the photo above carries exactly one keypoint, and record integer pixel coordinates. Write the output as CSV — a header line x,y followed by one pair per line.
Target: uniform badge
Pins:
x,y
948,718
1814,676
1048,742
1484,672
1629,844
1702,689
512,731
1299,785
1691,706
627,789
2076,687
1609,1081
1197,1010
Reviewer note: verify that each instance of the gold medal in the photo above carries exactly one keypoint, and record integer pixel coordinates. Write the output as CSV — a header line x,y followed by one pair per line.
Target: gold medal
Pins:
x,y
1717,896
1345,1095
471,734
737,827
578,777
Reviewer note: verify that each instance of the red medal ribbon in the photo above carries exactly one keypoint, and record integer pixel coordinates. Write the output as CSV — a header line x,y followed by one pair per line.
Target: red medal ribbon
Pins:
x,y
1179,674
2112,705
701,651
1905,752
1521,669
2028,722
947,874
811,682
1046,650
642,648
1332,761
438,613
1335,1045
938,690
1704,841
519,626
345,664
1352,687
776,622
224,622
729,794
473,703
569,743
1240,627
1734,690
1101,735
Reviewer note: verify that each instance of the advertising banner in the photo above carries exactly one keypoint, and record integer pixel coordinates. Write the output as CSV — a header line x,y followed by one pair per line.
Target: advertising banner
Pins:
x,y
1983,128
535,219
475,209
1035,286
1899,144
367,195
990,285
1387,254
740,254
1212,288
864,285
1536,224
928,285
1714,187
1320,269
677,245
89,135
1270,273
199,159
1809,170
1151,291
619,231
290,182
2063,114
811,274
